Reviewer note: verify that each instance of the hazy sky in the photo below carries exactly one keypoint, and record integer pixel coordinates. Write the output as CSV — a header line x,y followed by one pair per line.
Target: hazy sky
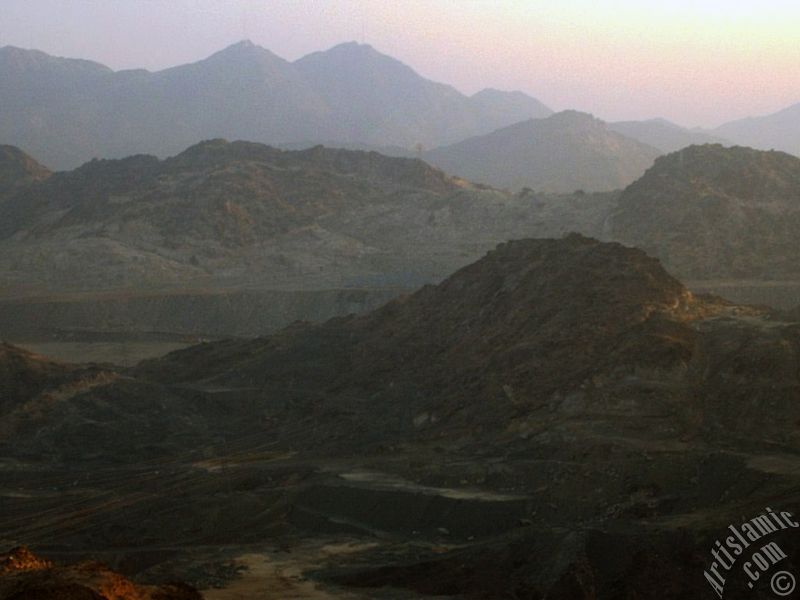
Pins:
x,y
698,62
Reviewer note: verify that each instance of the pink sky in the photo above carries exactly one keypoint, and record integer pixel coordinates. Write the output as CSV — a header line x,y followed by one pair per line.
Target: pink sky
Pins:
x,y
696,63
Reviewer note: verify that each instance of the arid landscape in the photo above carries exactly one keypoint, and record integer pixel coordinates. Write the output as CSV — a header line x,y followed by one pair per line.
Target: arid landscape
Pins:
x,y
321,327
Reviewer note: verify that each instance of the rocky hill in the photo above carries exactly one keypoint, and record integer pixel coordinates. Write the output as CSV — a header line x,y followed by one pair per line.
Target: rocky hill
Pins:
x,y
496,339
68,111
500,333
565,152
713,212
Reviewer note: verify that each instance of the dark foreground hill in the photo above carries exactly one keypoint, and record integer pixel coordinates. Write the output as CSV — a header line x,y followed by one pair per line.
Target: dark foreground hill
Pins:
x,y
557,401
565,152
714,212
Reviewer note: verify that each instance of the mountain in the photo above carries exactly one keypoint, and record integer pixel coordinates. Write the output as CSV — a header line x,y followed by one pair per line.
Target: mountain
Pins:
x,y
562,153
24,375
777,131
713,212
664,135
240,214
507,430
68,111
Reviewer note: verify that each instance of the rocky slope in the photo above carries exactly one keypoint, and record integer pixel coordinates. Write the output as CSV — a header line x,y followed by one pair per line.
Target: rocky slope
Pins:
x,y
68,111
565,152
712,212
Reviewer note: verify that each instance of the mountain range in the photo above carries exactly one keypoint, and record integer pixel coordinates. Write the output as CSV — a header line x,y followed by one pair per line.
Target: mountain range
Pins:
x,y
68,111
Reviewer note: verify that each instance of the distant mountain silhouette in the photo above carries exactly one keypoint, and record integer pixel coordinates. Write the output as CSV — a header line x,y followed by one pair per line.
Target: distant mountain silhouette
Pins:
x,y
712,212
778,131
379,98
68,111
562,153
664,135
